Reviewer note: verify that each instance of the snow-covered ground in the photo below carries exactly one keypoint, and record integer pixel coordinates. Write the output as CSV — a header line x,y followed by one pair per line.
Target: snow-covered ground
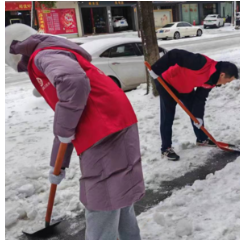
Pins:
x,y
208,210
28,123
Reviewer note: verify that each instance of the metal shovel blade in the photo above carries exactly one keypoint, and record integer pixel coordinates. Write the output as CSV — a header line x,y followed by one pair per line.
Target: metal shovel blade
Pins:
x,y
229,147
44,231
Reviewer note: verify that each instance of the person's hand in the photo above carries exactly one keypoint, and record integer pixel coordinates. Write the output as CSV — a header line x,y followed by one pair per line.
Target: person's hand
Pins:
x,y
66,139
198,125
54,179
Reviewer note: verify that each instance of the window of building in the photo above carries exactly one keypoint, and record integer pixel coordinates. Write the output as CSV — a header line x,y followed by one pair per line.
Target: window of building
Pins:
x,y
209,8
190,13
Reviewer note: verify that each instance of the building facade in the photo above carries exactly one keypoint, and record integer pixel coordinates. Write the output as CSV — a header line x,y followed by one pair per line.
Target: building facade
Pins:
x,y
76,18
64,19
195,11
97,17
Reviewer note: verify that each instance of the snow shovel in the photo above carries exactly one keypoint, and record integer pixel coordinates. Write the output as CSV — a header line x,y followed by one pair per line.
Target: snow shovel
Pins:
x,y
223,146
57,169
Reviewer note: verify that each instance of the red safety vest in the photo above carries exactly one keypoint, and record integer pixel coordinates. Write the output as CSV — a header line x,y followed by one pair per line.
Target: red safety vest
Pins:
x,y
107,111
184,80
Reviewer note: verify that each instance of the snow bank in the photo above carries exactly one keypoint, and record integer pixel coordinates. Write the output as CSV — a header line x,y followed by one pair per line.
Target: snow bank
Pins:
x,y
209,210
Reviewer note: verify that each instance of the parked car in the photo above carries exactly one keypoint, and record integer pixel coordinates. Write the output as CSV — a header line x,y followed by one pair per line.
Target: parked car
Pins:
x,y
176,30
119,22
78,41
121,59
213,20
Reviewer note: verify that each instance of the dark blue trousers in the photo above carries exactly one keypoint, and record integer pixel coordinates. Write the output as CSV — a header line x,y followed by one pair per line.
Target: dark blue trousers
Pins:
x,y
194,100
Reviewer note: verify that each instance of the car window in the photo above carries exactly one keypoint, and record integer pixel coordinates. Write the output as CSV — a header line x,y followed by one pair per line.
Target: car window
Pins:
x,y
212,16
105,54
180,25
126,50
168,25
161,50
187,25
139,45
118,18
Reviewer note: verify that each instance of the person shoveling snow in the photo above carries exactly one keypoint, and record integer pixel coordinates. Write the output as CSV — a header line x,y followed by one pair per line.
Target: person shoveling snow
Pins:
x,y
93,115
183,71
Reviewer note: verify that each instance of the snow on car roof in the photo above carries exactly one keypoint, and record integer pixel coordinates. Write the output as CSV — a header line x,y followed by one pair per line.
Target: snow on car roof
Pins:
x,y
212,15
98,46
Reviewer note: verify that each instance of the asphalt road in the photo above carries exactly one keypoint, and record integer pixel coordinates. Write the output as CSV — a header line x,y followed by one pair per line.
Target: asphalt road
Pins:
x,y
205,45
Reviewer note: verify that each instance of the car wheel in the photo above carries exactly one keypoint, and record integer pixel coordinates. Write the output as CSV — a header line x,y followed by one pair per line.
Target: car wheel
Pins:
x,y
116,81
199,33
177,35
219,25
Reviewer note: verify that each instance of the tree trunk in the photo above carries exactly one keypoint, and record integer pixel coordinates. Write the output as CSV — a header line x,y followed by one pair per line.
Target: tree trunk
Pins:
x,y
149,38
33,14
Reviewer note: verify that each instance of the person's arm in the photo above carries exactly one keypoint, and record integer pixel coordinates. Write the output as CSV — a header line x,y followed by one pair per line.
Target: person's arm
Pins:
x,y
199,103
193,61
73,88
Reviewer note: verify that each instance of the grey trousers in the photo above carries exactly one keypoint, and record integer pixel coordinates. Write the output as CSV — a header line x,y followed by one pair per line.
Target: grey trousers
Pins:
x,y
119,224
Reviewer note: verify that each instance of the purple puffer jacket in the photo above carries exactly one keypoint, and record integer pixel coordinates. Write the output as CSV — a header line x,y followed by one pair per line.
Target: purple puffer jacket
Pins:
x,y
111,169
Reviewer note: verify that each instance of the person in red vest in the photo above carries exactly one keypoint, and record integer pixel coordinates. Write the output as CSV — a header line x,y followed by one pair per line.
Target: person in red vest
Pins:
x,y
184,71
93,115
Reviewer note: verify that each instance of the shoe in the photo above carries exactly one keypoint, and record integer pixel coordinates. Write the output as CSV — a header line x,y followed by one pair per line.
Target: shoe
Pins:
x,y
206,143
170,154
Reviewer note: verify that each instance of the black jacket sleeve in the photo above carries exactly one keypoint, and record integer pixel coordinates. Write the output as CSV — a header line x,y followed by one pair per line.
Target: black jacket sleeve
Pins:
x,y
182,58
200,99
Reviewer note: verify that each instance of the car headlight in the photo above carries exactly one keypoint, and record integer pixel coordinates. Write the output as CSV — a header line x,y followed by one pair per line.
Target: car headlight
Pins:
x,y
167,31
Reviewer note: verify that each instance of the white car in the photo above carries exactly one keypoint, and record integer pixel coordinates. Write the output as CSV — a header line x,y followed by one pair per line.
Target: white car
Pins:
x,y
121,59
119,22
213,20
176,30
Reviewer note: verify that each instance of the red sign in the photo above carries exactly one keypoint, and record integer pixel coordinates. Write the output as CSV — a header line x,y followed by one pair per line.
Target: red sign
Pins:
x,y
14,6
21,6
57,21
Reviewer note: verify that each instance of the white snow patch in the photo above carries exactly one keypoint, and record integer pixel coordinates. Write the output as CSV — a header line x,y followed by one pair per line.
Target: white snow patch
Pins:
x,y
211,210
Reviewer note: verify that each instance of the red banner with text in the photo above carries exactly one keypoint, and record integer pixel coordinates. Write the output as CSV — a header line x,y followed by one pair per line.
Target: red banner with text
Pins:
x,y
57,21
22,6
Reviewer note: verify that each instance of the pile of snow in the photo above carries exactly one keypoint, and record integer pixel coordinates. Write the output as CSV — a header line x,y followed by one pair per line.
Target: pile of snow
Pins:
x,y
209,210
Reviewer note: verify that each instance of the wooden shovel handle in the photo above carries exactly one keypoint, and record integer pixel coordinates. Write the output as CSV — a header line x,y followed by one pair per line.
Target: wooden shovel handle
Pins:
x,y
57,170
